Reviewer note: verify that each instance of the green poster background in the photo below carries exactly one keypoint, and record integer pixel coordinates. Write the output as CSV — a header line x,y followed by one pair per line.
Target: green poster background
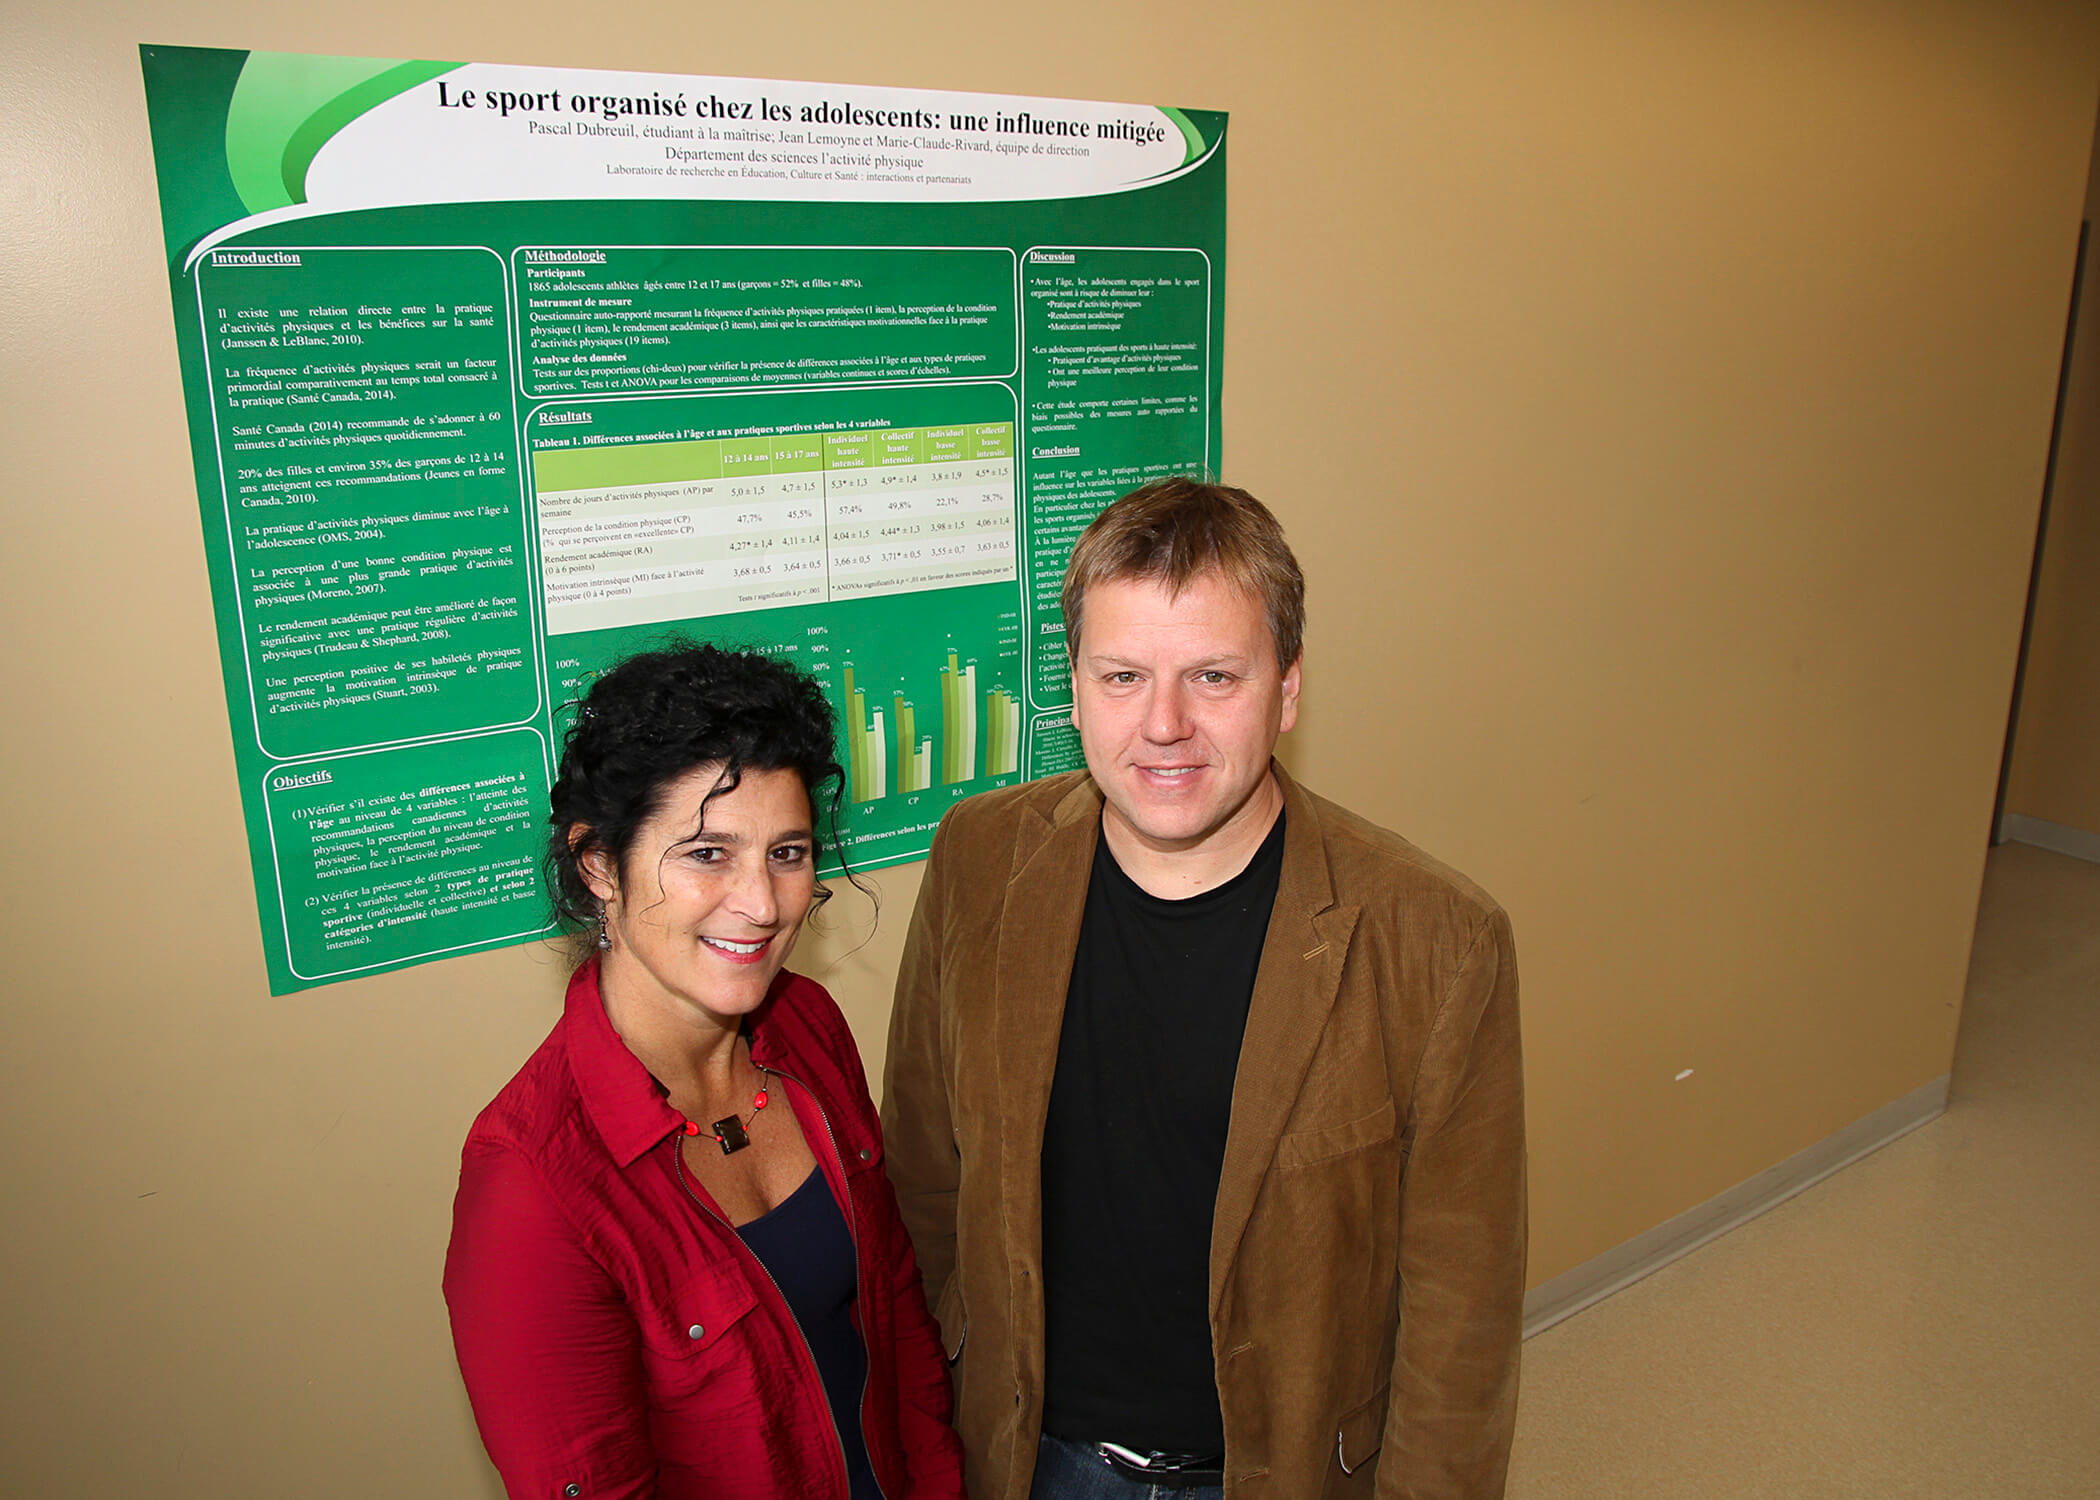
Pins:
x,y
456,453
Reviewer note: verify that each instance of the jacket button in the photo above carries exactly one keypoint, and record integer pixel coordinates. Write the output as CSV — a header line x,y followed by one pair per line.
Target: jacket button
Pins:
x,y
697,1331
866,1154
572,1490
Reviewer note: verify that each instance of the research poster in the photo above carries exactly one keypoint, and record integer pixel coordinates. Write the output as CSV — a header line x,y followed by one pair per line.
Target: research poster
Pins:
x,y
498,374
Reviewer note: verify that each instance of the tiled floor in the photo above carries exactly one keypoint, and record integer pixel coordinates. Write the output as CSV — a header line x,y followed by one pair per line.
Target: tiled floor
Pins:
x,y
1926,1323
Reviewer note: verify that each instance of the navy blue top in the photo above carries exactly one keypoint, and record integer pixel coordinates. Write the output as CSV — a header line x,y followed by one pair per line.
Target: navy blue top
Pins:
x,y
805,1246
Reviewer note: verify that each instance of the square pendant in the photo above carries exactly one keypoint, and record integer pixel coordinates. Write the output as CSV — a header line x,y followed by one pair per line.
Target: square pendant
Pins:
x,y
729,1130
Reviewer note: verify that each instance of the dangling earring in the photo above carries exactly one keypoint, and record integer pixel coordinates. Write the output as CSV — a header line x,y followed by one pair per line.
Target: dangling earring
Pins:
x,y
604,937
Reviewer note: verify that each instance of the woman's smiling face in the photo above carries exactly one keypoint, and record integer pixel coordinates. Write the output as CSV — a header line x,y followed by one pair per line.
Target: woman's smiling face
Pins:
x,y
705,909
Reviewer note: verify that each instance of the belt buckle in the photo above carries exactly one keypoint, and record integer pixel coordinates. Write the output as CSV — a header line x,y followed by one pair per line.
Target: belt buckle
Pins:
x,y
1181,1471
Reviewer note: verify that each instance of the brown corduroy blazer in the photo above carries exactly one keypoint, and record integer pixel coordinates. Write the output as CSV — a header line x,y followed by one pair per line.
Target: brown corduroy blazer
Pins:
x,y
1367,1248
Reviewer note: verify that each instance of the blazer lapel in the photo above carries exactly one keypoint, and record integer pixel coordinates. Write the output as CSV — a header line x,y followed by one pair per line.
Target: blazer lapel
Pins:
x,y
1039,932
1294,988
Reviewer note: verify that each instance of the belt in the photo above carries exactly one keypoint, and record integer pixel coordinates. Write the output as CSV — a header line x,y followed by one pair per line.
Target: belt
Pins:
x,y
1170,1471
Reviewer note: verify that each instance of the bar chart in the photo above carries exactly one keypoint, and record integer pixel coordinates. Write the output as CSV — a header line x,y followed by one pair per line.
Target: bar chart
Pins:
x,y
894,748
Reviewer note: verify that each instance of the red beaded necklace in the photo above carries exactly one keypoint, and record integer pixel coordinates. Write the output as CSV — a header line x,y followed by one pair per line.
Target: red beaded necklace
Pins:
x,y
733,1132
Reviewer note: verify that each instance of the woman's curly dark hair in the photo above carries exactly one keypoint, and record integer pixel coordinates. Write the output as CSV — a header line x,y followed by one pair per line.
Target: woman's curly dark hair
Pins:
x,y
651,719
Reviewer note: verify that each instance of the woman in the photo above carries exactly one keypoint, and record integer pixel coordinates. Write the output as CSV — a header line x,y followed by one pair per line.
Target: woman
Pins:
x,y
677,1270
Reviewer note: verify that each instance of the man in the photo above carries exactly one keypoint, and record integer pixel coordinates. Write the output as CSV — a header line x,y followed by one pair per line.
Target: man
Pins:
x,y
1203,1097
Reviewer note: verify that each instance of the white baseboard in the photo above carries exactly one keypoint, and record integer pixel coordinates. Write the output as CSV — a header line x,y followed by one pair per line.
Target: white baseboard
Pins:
x,y
2076,842
1594,1280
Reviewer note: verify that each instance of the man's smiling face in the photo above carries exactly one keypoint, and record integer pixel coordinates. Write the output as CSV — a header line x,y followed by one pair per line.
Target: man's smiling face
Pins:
x,y
1179,702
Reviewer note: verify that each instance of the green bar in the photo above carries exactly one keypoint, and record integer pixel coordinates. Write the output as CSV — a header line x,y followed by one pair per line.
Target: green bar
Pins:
x,y
635,463
907,742
958,730
1002,753
856,755
948,740
966,711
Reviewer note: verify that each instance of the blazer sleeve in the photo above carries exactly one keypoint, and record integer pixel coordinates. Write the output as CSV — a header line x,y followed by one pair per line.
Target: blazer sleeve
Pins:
x,y
1462,1242
547,1346
918,1131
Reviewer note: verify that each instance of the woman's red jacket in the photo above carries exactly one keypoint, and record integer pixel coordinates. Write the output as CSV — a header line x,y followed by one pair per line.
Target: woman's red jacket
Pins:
x,y
620,1342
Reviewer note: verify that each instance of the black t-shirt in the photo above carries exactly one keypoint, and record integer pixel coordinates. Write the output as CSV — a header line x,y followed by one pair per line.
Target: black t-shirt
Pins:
x,y
1132,1150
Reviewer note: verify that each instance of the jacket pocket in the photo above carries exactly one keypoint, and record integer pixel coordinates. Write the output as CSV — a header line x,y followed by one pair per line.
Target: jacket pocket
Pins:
x,y
954,1319
705,1379
1299,1148
689,1334
1362,1430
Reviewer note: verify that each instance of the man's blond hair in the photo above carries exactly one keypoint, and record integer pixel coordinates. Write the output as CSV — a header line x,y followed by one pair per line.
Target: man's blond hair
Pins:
x,y
1174,531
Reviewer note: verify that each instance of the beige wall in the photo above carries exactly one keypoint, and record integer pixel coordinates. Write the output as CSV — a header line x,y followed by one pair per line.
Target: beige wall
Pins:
x,y
1658,395
2055,772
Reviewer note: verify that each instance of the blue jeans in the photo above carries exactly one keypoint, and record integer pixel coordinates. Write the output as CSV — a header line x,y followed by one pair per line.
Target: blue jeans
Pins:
x,y
1073,1471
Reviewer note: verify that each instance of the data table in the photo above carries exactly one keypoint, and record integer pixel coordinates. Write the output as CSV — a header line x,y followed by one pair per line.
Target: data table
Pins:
x,y
639,533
